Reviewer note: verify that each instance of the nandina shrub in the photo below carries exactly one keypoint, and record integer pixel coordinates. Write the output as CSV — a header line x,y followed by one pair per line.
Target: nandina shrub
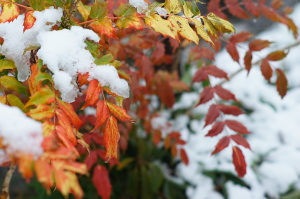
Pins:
x,y
92,86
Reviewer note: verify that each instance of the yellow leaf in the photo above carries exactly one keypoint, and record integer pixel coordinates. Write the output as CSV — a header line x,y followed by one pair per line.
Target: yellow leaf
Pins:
x,y
209,27
220,24
173,6
84,10
183,28
3,99
42,96
201,31
15,101
9,12
160,25
41,112
187,9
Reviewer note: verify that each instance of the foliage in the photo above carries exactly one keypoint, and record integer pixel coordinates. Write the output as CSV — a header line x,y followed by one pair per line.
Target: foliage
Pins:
x,y
125,139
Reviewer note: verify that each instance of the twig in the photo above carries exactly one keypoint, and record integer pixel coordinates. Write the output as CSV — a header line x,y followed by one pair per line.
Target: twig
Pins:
x,y
5,187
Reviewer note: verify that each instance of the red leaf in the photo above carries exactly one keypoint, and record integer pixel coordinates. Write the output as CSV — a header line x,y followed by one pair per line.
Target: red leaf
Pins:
x,y
214,7
92,93
102,114
64,121
156,137
266,69
184,157
258,44
29,20
281,83
91,159
239,161
240,37
101,182
212,115
224,93
222,144
231,49
165,93
230,110
158,52
174,135
118,112
276,4
236,10
215,71
111,137
252,7
68,109
237,126
206,95
180,142
200,75
240,140
216,129
269,13
247,60
201,52
276,55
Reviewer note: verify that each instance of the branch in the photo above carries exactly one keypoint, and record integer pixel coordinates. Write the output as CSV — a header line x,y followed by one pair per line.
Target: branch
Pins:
x,y
258,61
5,187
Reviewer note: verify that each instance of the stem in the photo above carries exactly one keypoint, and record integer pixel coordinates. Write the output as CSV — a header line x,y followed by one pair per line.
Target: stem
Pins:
x,y
258,61
5,187
20,5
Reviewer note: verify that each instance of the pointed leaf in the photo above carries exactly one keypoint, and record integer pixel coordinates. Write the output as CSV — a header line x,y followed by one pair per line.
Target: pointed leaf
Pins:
x,y
276,55
118,112
252,7
101,182
6,64
99,10
236,10
266,69
224,93
240,140
173,6
215,71
43,172
222,144
63,120
90,159
84,10
102,114
165,93
92,93
68,109
200,30
12,83
9,12
230,110
220,24
41,112
206,95
15,101
237,126
216,129
239,161
281,83
184,157
129,18
212,114
29,20
232,50
160,25
104,26
200,75
248,60
111,137
42,96
258,44
240,37
38,5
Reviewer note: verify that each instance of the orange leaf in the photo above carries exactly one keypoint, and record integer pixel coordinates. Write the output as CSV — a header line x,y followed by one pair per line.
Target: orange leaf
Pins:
x,y
111,137
266,69
276,55
239,161
222,144
64,121
281,83
43,172
174,150
92,93
41,112
167,142
82,79
216,129
184,157
237,126
156,137
29,20
61,134
240,140
25,166
101,182
104,26
118,112
68,109
9,12
102,114
258,44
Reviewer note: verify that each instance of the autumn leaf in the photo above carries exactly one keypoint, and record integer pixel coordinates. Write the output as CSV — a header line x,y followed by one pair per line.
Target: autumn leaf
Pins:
x,y
230,110
220,24
258,44
201,31
25,164
240,140
237,126
15,101
128,17
239,161
247,61
206,95
281,83
9,12
222,144
6,64
102,113
232,50
173,6
42,96
252,7
212,114
159,25
216,129
41,112
90,159
104,26
240,37
92,94
29,20
68,109
266,69
118,112
44,173
63,120
276,55
111,137
101,182
12,83
236,10
224,93
184,157
165,93
84,10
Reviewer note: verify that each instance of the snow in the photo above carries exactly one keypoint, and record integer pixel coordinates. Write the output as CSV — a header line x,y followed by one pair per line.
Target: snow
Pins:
x,y
63,51
273,163
140,5
19,133
161,11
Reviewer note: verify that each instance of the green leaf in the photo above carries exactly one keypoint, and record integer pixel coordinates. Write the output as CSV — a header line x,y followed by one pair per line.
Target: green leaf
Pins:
x,y
15,101
106,59
84,10
38,5
43,96
6,65
99,10
12,83
129,17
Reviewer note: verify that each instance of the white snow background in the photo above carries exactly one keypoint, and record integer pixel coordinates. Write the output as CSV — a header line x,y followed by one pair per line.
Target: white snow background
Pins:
x,y
274,125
